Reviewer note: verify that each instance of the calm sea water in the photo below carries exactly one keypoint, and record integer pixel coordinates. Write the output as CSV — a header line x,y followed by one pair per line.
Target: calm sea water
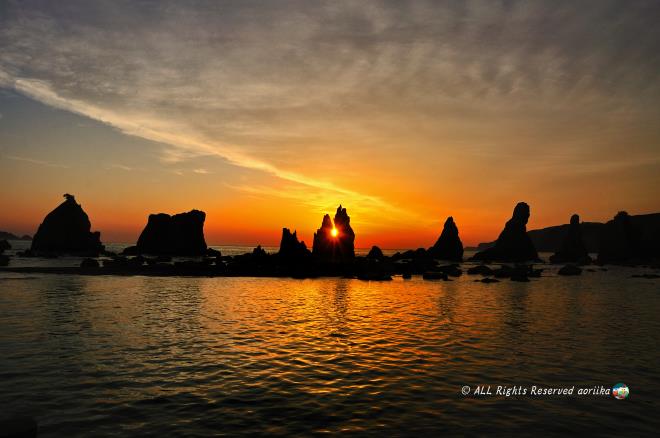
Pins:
x,y
145,356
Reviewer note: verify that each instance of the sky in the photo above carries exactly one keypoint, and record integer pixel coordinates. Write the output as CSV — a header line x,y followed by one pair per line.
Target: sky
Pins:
x,y
268,114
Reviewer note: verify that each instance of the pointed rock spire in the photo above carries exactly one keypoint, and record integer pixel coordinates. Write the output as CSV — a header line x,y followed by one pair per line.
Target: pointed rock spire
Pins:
x,y
449,245
573,249
513,243
67,230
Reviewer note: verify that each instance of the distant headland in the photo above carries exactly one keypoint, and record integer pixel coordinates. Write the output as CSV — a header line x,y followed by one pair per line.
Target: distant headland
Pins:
x,y
67,231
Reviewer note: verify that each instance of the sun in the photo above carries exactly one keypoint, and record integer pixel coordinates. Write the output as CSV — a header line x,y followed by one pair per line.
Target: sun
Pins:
x,y
334,232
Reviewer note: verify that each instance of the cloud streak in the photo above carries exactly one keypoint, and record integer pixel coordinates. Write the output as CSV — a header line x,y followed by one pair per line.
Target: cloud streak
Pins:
x,y
302,91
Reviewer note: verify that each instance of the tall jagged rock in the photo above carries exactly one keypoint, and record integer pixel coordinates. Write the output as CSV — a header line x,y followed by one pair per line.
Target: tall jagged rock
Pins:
x,y
449,245
66,230
513,243
620,241
290,248
573,249
335,240
181,234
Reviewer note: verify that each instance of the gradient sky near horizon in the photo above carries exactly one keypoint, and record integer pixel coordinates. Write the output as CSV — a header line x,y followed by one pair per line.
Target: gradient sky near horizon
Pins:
x,y
268,114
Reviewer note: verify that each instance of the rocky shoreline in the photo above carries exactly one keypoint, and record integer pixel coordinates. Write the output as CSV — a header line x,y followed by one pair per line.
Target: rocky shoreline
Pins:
x,y
67,231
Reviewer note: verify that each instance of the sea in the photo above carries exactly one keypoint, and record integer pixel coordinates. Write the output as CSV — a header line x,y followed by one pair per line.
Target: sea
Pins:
x,y
114,356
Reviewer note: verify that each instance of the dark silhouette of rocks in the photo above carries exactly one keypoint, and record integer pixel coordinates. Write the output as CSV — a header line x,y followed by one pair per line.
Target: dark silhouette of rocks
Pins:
x,y
4,245
435,275
89,263
210,252
181,234
480,270
573,249
4,260
517,272
292,250
66,230
551,239
513,244
259,252
487,280
620,241
339,248
449,245
570,270
6,235
375,253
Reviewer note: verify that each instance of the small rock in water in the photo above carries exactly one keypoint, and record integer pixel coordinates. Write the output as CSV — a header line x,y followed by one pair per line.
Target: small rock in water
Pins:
x,y
570,270
89,263
435,276
480,270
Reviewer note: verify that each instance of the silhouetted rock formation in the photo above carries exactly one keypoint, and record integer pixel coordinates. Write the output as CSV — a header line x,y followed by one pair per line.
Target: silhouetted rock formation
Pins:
x,y
66,230
337,248
375,253
181,234
6,235
259,252
4,260
4,245
449,245
573,249
513,244
620,241
291,250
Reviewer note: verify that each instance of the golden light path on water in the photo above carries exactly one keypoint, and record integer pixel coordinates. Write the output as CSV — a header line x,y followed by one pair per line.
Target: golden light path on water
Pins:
x,y
297,357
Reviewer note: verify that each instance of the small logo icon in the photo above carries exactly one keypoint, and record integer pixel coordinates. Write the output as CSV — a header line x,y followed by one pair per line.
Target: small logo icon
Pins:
x,y
620,391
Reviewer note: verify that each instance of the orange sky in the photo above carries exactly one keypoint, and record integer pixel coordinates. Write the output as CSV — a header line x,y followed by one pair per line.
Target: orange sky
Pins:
x,y
271,115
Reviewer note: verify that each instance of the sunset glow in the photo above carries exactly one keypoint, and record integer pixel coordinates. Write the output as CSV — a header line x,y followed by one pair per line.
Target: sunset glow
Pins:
x,y
268,116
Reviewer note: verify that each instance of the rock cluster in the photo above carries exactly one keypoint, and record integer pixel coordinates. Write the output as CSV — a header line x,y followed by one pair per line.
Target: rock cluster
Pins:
x,y
620,240
66,230
292,250
449,245
573,249
335,240
375,253
181,234
513,243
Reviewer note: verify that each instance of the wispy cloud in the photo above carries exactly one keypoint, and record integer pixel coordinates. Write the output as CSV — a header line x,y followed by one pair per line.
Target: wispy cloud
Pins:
x,y
120,167
303,91
37,162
